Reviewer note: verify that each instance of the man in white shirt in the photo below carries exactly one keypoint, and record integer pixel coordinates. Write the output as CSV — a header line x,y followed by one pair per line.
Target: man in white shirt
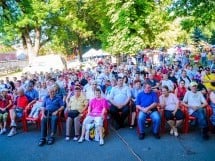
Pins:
x,y
119,98
195,102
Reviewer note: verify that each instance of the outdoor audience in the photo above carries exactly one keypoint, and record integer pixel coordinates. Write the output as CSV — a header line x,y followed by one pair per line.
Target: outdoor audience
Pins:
x,y
134,93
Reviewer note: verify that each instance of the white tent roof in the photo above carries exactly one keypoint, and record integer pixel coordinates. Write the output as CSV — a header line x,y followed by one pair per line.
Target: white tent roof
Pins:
x,y
94,53
90,53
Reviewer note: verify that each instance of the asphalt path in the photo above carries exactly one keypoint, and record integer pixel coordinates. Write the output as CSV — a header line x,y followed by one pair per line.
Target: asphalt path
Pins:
x,y
121,145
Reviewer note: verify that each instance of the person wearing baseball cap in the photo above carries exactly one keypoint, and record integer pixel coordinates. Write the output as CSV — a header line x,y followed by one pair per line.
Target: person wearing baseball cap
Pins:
x,y
195,102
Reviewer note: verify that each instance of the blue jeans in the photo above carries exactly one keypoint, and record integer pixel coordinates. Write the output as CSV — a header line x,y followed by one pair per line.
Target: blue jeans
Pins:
x,y
155,116
212,118
201,118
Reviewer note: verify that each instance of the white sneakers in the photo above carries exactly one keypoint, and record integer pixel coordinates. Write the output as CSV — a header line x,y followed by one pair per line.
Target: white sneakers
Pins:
x,y
81,140
174,131
101,142
13,124
2,131
12,132
67,138
75,138
171,131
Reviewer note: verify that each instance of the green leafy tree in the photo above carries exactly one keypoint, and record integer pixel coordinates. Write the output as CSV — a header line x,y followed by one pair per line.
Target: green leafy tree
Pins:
x,y
212,38
174,35
79,26
195,13
133,25
30,22
197,36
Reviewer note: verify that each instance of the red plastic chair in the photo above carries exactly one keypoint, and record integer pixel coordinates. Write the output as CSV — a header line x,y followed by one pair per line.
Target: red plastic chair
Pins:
x,y
189,118
21,120
37,121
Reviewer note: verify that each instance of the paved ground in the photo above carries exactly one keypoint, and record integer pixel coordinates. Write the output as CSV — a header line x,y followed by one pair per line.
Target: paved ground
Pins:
x,y
121,145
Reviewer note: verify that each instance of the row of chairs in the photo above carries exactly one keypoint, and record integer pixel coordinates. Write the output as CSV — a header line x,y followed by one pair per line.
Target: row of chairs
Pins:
x,y
187,119
185,126
61,119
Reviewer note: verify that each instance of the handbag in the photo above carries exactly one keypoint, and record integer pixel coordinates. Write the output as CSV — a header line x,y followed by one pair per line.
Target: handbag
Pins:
x,y
73,113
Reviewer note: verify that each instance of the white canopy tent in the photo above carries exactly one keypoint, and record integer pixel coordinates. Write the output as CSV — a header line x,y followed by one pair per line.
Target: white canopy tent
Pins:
x,y
90,53
94,53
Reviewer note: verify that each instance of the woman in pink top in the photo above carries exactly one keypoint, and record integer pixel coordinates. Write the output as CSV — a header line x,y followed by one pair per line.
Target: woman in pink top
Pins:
x,y
96,112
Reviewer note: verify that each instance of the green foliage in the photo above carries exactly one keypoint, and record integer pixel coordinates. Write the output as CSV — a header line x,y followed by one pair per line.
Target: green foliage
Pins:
x,y
121,27
197,36
196,13
212,38
133,25
5,49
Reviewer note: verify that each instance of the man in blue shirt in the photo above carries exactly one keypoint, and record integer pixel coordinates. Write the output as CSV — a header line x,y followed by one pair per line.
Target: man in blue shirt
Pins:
x,y
51,106
31,93
146,103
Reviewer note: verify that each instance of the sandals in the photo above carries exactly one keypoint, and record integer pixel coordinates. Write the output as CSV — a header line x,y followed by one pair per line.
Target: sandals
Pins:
x,y
50,140
42,141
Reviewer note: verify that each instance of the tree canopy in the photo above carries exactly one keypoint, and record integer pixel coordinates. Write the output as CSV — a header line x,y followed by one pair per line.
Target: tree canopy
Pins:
x,y
66,26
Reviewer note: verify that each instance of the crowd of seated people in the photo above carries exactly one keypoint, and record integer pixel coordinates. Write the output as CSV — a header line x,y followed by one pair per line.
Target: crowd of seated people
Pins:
x,y
123,91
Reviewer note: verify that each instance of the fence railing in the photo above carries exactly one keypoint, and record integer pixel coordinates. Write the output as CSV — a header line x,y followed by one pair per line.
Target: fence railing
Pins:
x,y
12,66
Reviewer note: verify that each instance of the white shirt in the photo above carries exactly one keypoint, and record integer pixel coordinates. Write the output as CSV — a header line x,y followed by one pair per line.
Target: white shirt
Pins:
x,y
193,99
120,94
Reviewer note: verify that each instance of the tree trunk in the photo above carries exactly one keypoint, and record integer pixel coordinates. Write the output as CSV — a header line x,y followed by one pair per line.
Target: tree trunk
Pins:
x,y
37,41
32,50
79,50
29,47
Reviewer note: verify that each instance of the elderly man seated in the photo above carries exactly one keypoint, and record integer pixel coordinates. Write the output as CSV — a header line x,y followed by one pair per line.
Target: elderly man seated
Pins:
x,y
195,103
51,106
21,103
